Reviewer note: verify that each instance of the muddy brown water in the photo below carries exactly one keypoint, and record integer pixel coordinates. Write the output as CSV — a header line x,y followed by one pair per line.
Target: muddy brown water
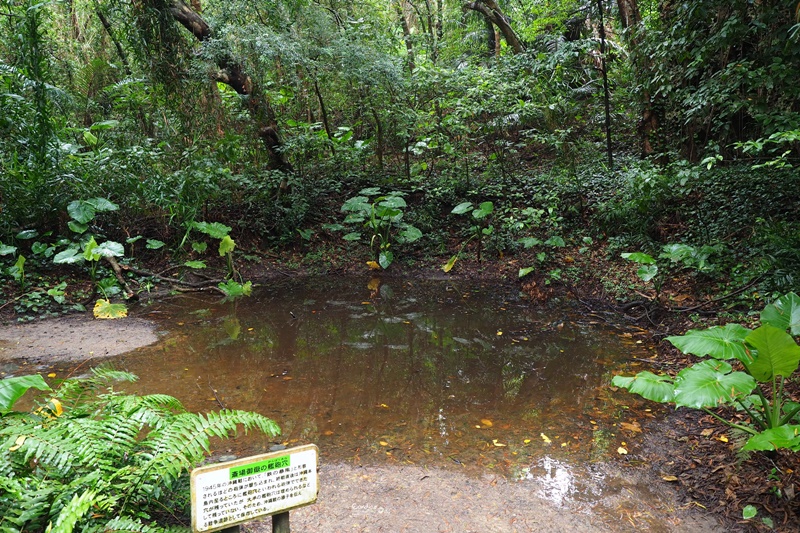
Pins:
x,y
418,374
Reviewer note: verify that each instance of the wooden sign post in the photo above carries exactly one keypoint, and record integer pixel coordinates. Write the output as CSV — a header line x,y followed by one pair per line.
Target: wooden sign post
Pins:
x,y
225,495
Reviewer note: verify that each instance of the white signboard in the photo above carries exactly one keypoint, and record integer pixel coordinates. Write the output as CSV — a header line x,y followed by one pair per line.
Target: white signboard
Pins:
x,y
226,494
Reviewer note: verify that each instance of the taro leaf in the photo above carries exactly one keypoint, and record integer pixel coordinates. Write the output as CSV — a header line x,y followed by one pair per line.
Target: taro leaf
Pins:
x,y
776,353
555,241
385,259
68,257
677,252
410,234
639,257
529,242
647,272
775,438
234,289
393,202
12,389
154,244
720,342
89,250
215,230
199,247
710,383
110,249
27,234
226,245
6,249
370,191
81,211
101,204
525,271
354,218
648,385
195,264
462,208
784,313
450,264
354,236
484,210
77,227
356,203
106,310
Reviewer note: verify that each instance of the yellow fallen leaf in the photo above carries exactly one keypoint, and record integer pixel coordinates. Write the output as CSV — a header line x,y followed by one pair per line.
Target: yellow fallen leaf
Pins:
x,y
374,284
706,432
56,408
669,478
328,433
51,375
563,444
486,422
499,333
383,443
622,451
18,443
722,438
478,426
373,265
545,438
526,441
632,426
384,406
498,444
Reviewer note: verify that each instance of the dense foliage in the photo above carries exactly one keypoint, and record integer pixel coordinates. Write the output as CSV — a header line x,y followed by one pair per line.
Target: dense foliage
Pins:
x,y
268,118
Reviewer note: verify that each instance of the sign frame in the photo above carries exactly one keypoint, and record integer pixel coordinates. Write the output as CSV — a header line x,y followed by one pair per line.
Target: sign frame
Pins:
x,y
236,478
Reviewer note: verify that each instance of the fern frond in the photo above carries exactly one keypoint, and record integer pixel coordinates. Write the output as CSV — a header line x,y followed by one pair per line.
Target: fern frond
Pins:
x,y
130,525
72,512
25,503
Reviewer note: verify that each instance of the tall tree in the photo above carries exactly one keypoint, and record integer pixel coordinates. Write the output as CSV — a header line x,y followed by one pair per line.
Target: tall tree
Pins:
x,y
493,14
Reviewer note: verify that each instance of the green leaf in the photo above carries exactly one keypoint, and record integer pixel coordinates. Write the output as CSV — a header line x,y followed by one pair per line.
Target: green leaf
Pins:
x,y
461,208
410,234
68,257
104,125
6,249
354,236
784,313
530,242
357,204
199,247
81,211
776,353
77,227
394,202
27,234
450,264
647,272
648,385
104,309
555,241
385,259
484,210
195,264
89,250
709,384
154,244
720,342
12,389
370,191
215,230
90,138
234,289
101,204
226,245
110,249
775,438
749,512
525,271
639,257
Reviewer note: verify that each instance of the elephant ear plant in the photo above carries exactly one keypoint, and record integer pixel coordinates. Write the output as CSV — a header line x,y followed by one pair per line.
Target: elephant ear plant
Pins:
x,y
768,355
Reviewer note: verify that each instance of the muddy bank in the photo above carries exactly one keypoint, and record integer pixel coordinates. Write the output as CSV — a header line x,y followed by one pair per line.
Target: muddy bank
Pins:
x,y
74,338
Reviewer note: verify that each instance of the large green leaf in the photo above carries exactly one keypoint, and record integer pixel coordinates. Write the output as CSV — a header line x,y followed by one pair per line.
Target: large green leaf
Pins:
x,y
393,202
357,203
462,208
648,385
226,245
776,353
385,259
710,383
784,313
81,211
639,257
775,438
215,230
647,272
483,210
410,234
6,249
101,204
68,257
12,389
110,249
720,342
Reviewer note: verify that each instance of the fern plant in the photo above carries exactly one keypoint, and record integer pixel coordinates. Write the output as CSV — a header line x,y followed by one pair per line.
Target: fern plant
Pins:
x,y
92,459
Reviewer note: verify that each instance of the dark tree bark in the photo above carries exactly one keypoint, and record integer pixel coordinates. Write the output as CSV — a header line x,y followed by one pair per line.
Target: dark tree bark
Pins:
x,y
232,73
493,13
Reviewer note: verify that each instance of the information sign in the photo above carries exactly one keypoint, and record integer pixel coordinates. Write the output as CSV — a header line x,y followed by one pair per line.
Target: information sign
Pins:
x,y
227,494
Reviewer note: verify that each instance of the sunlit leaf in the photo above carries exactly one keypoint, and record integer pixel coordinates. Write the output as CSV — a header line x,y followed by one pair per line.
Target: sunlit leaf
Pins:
x,y
775,438
27,234
545,438
709,384
234,289
101,204
525,271
776,353
373,265
6,249
195,264
720,342
110,249
226,245
784,313
215,230
393,202
12,389
498,443
639,257
410,234
648,385
749,511
68,257
486,422
354,236
199,247
450,264
104,309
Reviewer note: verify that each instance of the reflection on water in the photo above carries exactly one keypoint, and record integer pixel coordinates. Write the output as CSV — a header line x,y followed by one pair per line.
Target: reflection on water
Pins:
x,y
402,371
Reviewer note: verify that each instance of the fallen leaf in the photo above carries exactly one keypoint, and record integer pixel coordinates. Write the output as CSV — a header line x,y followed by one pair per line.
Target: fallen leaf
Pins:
x,y
722,438
56,408
632,426
51,375
622,451
545,438
499,333
374,284
383,443
526,441
498,444
328,433
384,406
373,265
563,444
486,422
287,378
669,478
706,432
18,443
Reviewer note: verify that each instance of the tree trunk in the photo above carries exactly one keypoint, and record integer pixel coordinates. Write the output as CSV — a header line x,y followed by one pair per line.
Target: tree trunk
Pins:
x,y
406,34
490,10
232,74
